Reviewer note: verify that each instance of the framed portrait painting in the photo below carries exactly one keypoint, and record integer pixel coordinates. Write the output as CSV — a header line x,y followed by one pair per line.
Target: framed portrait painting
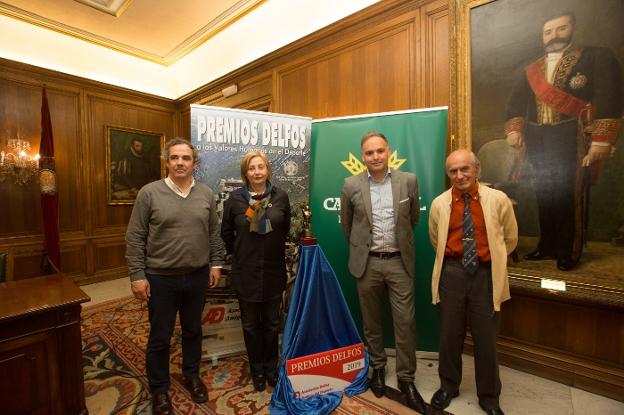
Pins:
x,y
132,160
538,95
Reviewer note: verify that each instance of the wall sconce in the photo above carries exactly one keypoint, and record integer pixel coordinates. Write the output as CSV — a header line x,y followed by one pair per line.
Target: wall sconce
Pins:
x,y
17,163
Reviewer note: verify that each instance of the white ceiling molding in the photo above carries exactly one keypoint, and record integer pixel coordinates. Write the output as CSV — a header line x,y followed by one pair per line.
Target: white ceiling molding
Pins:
x,y
112,7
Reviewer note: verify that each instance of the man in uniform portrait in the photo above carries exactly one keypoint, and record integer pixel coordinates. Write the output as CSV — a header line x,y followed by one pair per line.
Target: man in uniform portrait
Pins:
x,y
565,115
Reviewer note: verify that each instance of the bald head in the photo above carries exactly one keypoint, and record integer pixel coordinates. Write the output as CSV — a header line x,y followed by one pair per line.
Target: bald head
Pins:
x,y
463,169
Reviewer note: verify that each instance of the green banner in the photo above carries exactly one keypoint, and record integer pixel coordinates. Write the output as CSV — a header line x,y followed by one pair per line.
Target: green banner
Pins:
x,y
418,144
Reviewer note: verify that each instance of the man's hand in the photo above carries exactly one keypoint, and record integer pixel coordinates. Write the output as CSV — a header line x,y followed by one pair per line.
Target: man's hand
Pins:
x,y
141,289
515,139
215,276
598,152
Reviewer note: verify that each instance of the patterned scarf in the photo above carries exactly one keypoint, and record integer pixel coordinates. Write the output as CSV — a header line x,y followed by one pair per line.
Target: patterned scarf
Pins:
x,y
256,212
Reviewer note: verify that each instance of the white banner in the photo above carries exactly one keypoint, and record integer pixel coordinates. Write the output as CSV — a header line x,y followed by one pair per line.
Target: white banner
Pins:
x,y
224,135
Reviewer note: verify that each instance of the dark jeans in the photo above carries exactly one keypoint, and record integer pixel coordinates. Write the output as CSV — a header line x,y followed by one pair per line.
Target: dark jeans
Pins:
x,y
261,329
171,294
466,297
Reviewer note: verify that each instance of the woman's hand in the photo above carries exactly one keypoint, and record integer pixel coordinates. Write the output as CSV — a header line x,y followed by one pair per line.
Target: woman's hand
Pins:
x,y
215,276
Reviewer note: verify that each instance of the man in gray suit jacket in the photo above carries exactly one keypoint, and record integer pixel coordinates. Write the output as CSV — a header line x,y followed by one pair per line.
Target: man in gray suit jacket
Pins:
x,y
378,211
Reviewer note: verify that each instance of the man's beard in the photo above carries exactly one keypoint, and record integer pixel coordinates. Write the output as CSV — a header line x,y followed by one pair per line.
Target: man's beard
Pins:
x,y
557,44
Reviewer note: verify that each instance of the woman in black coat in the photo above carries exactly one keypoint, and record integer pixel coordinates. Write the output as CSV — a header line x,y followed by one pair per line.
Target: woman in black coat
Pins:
x,y
256,220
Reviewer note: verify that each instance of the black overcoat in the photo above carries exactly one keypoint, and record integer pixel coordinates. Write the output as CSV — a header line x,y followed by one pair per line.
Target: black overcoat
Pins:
x,y
258,261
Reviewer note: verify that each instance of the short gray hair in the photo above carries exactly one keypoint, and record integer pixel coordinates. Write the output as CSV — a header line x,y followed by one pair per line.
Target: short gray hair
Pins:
x,y
176,142
372,134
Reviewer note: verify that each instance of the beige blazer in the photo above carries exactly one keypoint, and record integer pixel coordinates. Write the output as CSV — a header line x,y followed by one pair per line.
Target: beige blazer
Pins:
x,y
356,218
502,236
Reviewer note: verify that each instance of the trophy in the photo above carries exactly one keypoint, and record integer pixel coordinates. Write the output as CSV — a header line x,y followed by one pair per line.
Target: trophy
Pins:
x,y
307,238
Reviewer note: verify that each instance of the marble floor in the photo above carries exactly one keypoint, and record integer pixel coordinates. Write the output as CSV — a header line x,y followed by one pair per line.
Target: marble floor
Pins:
x,y
523,394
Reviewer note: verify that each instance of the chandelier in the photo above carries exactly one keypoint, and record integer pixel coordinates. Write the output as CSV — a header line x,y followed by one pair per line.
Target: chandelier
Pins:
x,y
17,163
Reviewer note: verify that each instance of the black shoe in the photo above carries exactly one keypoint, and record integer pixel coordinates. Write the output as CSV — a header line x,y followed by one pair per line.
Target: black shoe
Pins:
x,y
492,411
161,404
378,382
536,255
259,382
197,389
413,398
442,399
566,264
271,378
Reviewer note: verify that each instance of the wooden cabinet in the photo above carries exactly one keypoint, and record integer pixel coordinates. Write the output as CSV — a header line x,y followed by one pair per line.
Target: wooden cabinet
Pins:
x,y
40,346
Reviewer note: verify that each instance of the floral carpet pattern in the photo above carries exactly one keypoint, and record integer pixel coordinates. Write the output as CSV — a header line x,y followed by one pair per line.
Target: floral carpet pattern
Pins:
x,y
114,336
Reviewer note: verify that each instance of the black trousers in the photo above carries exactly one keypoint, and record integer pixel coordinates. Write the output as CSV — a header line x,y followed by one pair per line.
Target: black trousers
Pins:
x,y
171,294
261,322
464,296
552,151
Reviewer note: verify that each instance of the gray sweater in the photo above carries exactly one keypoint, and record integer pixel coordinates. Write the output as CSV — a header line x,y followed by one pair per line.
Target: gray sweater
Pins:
x,y
168,234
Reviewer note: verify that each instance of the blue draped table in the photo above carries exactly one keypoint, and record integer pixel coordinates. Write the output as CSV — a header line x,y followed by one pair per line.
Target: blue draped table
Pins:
x,y
318,320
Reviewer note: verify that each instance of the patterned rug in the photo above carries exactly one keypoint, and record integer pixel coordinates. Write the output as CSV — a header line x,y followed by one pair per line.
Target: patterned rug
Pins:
x,y
114,336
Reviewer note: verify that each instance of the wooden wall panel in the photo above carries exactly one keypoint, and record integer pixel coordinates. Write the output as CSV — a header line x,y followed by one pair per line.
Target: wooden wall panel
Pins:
x,y
17,102
110,254
21,117
79,110
27,260
585,330
434,34
370,77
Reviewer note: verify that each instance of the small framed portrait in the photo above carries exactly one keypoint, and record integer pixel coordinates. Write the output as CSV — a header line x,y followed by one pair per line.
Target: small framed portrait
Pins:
x,y
132,160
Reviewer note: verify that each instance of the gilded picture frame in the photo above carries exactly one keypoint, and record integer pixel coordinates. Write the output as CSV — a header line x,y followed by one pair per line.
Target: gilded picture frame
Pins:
x,y
133,159
492,42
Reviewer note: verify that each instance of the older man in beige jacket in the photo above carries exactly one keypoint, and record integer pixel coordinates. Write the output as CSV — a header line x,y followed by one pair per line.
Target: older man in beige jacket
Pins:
x,y
473,229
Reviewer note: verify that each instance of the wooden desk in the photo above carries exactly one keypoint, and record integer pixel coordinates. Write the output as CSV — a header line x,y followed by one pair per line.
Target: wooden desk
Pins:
x,y
40,347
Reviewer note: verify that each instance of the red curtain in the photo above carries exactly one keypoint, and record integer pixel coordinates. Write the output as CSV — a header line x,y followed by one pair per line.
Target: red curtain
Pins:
x,y
49,195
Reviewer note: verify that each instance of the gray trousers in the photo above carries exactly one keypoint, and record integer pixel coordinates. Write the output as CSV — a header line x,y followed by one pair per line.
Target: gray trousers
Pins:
x,y
464,296
379,275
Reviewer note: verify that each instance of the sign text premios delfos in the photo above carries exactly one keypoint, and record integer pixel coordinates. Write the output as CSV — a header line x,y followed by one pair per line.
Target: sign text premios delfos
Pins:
x,y
230,130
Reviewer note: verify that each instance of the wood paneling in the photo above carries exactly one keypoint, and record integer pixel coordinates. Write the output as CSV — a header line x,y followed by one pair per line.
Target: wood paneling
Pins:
x,y
110,254
372,76
27,259
583,330
434,34
79,110
21,117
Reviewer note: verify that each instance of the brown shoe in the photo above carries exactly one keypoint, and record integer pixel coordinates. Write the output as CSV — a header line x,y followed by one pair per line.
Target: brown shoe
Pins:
x,y
197,389
161,404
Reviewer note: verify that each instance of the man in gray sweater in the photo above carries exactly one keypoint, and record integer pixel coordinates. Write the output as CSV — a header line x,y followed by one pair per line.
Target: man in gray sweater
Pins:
x,y
174,252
